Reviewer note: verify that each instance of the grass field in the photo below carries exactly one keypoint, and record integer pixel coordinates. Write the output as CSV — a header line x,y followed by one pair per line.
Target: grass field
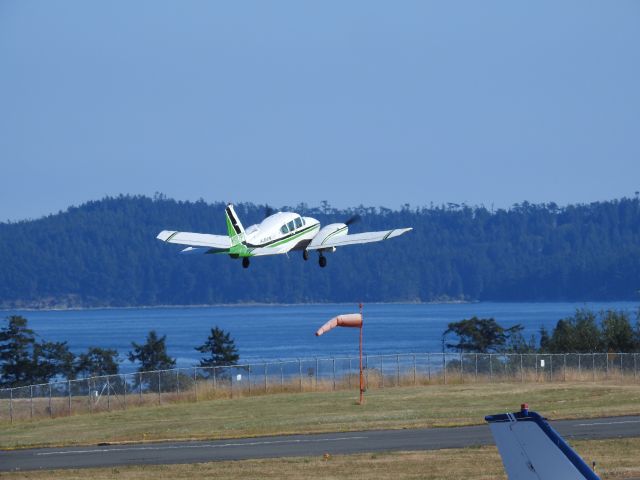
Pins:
x,y
616,459
404,407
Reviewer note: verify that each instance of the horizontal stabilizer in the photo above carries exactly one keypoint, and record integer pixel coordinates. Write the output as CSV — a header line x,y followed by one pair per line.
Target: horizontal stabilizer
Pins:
x,y
195,250
358,238
221,242
532,450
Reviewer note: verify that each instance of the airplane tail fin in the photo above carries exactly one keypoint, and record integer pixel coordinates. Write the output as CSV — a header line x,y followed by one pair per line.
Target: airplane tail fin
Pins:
x,y
234,226
531,449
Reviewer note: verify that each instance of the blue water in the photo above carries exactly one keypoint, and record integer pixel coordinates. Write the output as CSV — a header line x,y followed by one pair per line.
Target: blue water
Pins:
x,y
287,332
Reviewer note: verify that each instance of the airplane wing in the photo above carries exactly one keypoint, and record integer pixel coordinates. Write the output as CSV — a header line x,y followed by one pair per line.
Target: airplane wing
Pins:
x,y
532,450
357,238
212,243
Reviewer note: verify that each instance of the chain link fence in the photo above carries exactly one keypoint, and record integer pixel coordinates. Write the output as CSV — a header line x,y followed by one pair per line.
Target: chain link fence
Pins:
x,y
117,392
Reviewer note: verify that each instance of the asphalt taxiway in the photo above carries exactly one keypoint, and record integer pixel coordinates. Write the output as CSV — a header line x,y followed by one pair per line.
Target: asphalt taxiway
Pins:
x,y
294,445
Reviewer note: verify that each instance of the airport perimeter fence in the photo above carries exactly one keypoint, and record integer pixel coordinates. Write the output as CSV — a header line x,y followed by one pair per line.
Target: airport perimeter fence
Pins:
x,y
114,392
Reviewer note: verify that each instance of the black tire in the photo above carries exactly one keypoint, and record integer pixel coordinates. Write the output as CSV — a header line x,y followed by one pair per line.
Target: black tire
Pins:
x,y
322,261
305,255
245,262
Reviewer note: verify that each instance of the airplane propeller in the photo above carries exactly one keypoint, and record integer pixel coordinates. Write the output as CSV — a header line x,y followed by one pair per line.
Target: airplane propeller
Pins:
x,y
268,211
354,219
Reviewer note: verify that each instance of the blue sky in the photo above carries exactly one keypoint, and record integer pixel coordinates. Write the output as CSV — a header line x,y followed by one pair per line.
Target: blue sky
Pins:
x,y
375,103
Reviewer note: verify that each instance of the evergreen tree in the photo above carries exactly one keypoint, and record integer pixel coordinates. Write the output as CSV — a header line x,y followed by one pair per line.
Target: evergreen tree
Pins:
x,y
221,349
527,252
16,347
97,362
51,359
545,340
617,332
152,355
482,335
578,333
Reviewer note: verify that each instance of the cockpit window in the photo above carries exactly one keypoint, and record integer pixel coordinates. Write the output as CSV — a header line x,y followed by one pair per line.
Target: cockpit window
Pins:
x,y
284,229
291,226
298,222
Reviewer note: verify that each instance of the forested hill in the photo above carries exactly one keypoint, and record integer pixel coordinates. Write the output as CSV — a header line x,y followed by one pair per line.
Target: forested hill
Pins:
x,y
104,253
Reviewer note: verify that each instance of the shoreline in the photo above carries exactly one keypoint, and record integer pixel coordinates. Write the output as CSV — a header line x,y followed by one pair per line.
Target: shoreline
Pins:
x,y
239,304
266,304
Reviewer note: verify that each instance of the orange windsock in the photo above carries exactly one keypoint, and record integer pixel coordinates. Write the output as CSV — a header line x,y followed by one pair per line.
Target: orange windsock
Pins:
x,y
350,320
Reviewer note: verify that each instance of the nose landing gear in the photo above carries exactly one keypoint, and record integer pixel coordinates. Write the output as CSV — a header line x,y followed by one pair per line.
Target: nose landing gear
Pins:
x,y
322,261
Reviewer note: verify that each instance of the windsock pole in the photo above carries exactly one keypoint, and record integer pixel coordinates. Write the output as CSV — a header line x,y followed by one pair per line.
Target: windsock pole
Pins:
x,y
353,320
361,374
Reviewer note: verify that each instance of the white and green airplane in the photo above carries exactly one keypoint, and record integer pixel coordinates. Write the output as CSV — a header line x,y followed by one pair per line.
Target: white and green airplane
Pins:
x,y
280,232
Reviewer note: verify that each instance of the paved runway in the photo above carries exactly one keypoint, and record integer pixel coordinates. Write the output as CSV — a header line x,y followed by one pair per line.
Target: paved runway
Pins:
x,y
294,445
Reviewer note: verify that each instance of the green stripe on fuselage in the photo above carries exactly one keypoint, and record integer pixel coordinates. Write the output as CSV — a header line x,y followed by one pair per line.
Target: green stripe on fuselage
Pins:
x,y
288,239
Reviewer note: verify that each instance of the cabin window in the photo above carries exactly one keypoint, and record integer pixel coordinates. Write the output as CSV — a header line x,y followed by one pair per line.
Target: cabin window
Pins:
x,y
291,226
284,229
303,222
298,222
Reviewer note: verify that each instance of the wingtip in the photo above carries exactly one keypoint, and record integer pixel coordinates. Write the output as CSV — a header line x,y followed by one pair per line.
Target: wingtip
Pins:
x,y
165,235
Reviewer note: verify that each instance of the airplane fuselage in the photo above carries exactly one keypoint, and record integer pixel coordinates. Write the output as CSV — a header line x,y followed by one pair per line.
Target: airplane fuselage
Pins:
x,y
282,228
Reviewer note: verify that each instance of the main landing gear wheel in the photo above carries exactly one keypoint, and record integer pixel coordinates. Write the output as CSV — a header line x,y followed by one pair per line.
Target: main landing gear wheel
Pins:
x,y
245,262
305,255
322,261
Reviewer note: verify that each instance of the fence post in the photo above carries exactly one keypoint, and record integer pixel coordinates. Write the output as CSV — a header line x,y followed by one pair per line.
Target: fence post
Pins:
x,y
195,382
349,374
11,405
476,367
89,395
300,372
215,380
536,368
506,360
108,395
31,401
429,365
397,370
551,367
249,377
50,404
140,386
334,373
521,370
159,390
265,378
490,368
593,365
579,366
382,370
178,380
606,372
444,368
621,368
414,369
281,378
461,367
635,366
124,390
564,368
367,371
69,391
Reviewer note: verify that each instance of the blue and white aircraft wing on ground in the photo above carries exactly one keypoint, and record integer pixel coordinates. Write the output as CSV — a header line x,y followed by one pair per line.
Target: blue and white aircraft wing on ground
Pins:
x,y
532,450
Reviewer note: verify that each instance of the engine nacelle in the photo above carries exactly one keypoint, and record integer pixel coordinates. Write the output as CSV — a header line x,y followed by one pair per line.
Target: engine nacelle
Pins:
x,y
328,232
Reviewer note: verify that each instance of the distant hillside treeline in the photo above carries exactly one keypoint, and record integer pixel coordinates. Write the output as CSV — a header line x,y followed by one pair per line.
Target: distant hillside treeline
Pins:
x,y
104,253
